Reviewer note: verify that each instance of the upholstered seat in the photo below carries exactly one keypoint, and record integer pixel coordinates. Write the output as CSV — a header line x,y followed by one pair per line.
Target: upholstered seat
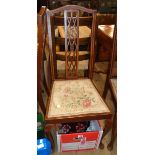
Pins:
x,y
75,97
108,30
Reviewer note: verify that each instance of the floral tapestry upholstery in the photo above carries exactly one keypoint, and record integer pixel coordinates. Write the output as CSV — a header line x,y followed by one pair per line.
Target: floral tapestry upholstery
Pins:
x,y
75,97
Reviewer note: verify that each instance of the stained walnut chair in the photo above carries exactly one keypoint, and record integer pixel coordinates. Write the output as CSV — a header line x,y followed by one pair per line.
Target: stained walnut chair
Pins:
x,y
111,83
43,63
105,31
72,98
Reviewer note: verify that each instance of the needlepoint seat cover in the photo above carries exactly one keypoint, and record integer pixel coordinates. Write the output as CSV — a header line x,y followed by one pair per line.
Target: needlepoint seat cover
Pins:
x,y
75,97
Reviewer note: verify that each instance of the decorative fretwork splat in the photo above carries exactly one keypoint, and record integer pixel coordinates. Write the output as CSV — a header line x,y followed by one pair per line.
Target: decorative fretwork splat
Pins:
x,y
71,42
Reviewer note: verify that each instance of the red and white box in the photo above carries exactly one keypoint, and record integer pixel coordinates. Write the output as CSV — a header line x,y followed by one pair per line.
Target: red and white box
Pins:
x,y
89,140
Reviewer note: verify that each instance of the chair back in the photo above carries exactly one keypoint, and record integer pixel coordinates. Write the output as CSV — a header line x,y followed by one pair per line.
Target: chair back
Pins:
x,y
41,57
71,39
113,61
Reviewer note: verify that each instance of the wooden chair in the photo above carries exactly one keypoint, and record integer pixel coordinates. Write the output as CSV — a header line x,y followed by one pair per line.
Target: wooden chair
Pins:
x,y
111,83
71,99
41,57
105,24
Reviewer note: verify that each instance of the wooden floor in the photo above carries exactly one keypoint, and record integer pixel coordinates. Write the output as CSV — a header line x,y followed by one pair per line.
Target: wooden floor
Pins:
x,y
99,80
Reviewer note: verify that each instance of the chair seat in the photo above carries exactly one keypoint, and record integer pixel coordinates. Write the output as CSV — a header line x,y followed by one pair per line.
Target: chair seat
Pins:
x,y
107,30
75,97
113,83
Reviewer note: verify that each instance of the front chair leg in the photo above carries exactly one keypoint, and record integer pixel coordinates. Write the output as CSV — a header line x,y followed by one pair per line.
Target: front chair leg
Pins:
x,y
49,135
85,73
113,135
101,146
106,87
108,125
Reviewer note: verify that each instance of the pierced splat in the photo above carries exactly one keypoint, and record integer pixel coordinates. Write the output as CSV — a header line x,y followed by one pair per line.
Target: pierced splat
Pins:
x,y
71,22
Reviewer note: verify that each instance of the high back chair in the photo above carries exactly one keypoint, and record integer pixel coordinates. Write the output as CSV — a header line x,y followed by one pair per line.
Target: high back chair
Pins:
x,y
41,58
112,69
72,98
111,83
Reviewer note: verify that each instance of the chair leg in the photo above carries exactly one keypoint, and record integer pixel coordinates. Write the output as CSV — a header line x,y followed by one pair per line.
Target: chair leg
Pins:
x,y
45,85
49,136
108,125
101,146
114,132
85,73
106,87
